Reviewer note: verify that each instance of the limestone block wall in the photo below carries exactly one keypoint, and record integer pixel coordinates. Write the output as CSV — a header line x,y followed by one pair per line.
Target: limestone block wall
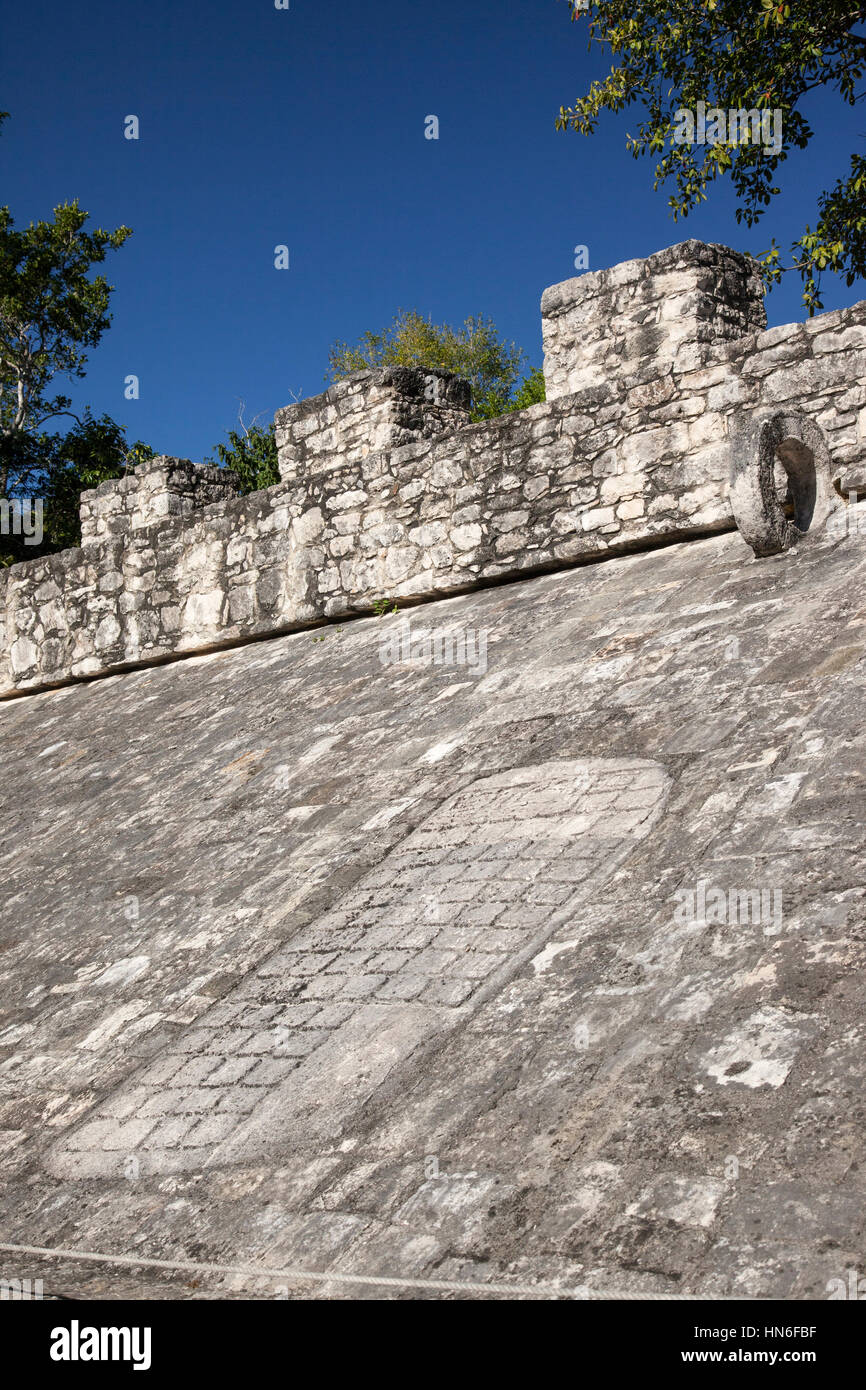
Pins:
x,y
639,457
817,367
526,491
366,413
160,488
608,322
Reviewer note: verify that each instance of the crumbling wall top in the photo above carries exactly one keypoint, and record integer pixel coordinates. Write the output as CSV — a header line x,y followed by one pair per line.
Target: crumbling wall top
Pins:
x,y
388,493
651,312
160,488
366,413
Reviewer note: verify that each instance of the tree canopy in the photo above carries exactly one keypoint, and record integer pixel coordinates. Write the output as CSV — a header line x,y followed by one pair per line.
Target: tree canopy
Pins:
x,y
475,351
57,468
251,453
51,310
736,56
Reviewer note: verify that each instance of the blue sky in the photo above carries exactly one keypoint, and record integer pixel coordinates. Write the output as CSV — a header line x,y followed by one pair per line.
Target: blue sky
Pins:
x,y
305,127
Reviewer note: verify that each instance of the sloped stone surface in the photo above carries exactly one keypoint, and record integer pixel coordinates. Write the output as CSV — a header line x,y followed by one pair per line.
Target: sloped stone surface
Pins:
x,y
633,1097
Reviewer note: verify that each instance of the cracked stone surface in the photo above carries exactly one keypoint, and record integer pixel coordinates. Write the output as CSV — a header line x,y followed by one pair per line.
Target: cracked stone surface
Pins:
x,y
492,872
657,379
313,963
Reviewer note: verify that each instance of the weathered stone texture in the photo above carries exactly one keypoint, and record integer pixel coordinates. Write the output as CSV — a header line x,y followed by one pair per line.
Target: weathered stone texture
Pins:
x,y
544,969
611,322
383,497
761,449
449,914
161,488
498,498
366,414
314,963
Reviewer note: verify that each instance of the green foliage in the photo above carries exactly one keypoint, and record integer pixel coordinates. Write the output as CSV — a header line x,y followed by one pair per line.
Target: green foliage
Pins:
x,y
58,468
385,607
474,351
51,310
252,454
91,453
736,55
530,391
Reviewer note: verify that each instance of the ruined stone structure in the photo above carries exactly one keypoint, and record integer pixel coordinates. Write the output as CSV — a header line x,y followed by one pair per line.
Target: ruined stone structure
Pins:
x,y
655,371
540,974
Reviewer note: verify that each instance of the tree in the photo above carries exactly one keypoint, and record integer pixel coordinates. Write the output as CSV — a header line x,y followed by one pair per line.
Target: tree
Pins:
x,y
50,312
58,468
474,351
92,452
750,63
251,453
530,391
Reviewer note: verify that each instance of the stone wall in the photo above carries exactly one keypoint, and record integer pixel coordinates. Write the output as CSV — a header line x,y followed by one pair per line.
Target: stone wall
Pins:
x,y
662,309
365,414
161,488
817,367
523,492
239,889
383,498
